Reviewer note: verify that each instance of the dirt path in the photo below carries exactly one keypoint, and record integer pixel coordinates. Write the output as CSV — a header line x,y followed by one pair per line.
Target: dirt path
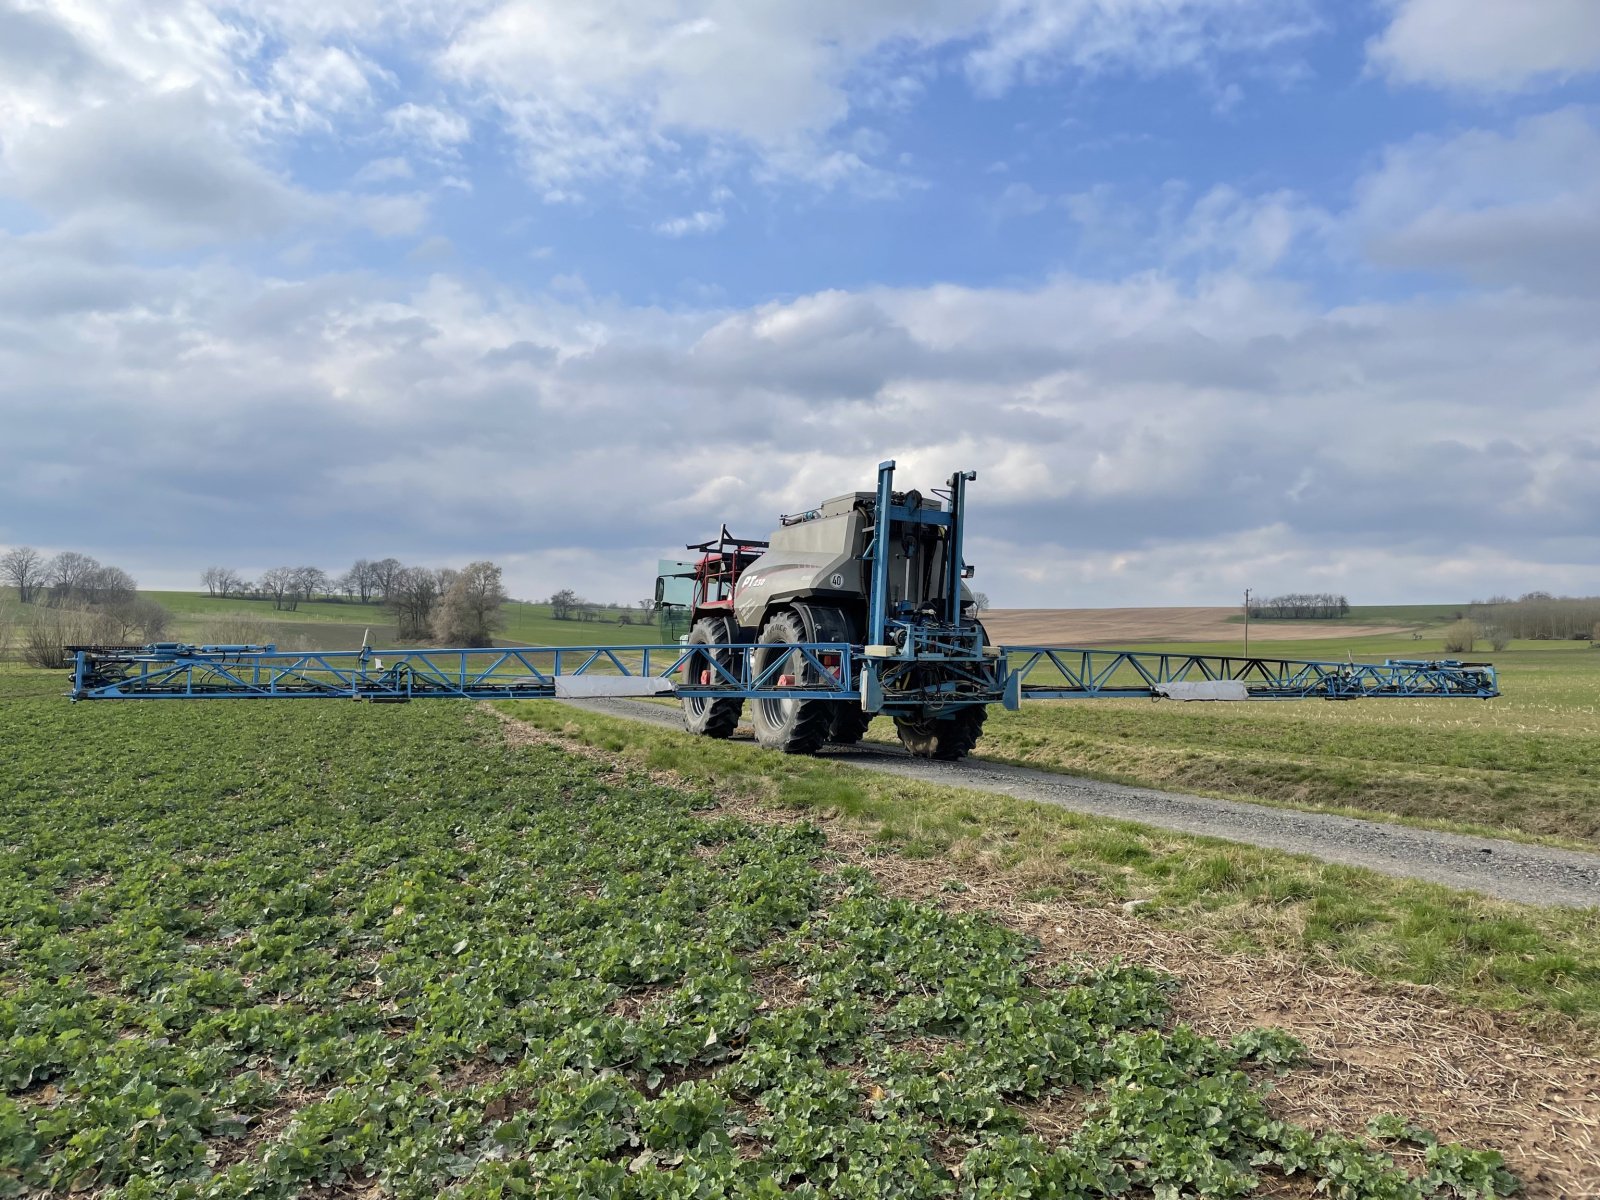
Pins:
x,y
1079,626
1509,870
1374,1047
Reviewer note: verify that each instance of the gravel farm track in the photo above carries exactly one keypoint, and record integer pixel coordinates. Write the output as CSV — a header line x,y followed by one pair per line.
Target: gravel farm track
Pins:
x,y
1495,867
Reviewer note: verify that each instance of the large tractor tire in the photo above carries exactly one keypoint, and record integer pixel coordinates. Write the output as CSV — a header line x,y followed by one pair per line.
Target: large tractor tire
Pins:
x,y
947,739
716,718
849,724
793,726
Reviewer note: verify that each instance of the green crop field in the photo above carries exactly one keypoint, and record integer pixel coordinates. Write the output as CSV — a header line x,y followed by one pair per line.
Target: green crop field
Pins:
x,y
272,950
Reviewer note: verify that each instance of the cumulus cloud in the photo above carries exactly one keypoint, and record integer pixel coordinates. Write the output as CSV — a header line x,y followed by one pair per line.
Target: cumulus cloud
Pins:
x,y
433,128
1493,47
1034,37
610,87
156,167
1164,433
157,127
1143,440
315,84
704,221
1520,206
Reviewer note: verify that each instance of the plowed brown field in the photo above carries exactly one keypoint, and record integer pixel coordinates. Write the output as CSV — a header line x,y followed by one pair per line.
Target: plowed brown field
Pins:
x,y
1090,626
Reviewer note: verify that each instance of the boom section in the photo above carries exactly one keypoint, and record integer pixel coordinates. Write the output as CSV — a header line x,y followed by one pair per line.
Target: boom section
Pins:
x,y
821,670
1065,673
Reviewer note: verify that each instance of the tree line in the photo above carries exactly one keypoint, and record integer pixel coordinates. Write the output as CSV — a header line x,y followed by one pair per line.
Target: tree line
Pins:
x,y
1300,606
76,600
366,582
1537,616
567,605
458,607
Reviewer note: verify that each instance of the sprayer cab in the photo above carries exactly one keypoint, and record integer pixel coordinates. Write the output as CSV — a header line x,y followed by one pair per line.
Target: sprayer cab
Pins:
x,y
879,575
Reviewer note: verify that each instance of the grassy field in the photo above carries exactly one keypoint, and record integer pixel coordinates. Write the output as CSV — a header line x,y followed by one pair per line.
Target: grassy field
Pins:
x,y
1527,762
279,950
335,625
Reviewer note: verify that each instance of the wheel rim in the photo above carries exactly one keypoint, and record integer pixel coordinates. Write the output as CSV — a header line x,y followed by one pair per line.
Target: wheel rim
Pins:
x,y
696,705
775,714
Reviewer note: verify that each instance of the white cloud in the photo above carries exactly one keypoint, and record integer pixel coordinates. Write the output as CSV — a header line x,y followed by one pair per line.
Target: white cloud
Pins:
x,y
154,169
1502,45
314,84
1520,206
384,170
1138,441
433,128
1027,38
1147,438
1221,229
156,124
609,87
695,223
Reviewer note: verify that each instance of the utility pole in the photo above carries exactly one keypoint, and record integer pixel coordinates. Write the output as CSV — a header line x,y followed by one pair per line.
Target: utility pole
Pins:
x,y
1247,622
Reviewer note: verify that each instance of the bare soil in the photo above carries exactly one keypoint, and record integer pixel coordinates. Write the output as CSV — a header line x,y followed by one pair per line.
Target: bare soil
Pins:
x,y
1097,626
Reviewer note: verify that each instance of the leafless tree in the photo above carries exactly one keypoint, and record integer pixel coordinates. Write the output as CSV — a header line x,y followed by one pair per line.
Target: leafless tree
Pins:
x,y
310,582
46,637
279,585
222,582
23,568
469,610
1301,606
106,587
138,618
563,603
980,601
384,573
67,573
412,595
1461,637
1539,616
358,582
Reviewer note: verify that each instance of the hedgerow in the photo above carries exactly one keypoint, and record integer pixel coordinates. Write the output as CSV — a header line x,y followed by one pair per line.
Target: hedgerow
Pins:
x,y
252,951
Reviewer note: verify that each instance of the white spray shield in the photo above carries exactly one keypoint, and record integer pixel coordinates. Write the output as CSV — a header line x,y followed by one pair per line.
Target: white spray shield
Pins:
x,y
1204,689
593,687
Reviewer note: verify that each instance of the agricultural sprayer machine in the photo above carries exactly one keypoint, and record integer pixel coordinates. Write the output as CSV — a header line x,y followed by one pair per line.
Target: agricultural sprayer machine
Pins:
x,y
851,610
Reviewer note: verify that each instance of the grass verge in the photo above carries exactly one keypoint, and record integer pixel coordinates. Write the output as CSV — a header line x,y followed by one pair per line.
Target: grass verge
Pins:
x,y
1526,764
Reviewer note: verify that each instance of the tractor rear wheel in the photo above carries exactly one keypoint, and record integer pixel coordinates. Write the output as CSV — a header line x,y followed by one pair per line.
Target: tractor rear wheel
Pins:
x,y
948,738
849,724
793,726
708,716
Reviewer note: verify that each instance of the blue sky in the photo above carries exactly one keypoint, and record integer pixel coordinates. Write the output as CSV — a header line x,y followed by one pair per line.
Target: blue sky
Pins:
x,y
1285,294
